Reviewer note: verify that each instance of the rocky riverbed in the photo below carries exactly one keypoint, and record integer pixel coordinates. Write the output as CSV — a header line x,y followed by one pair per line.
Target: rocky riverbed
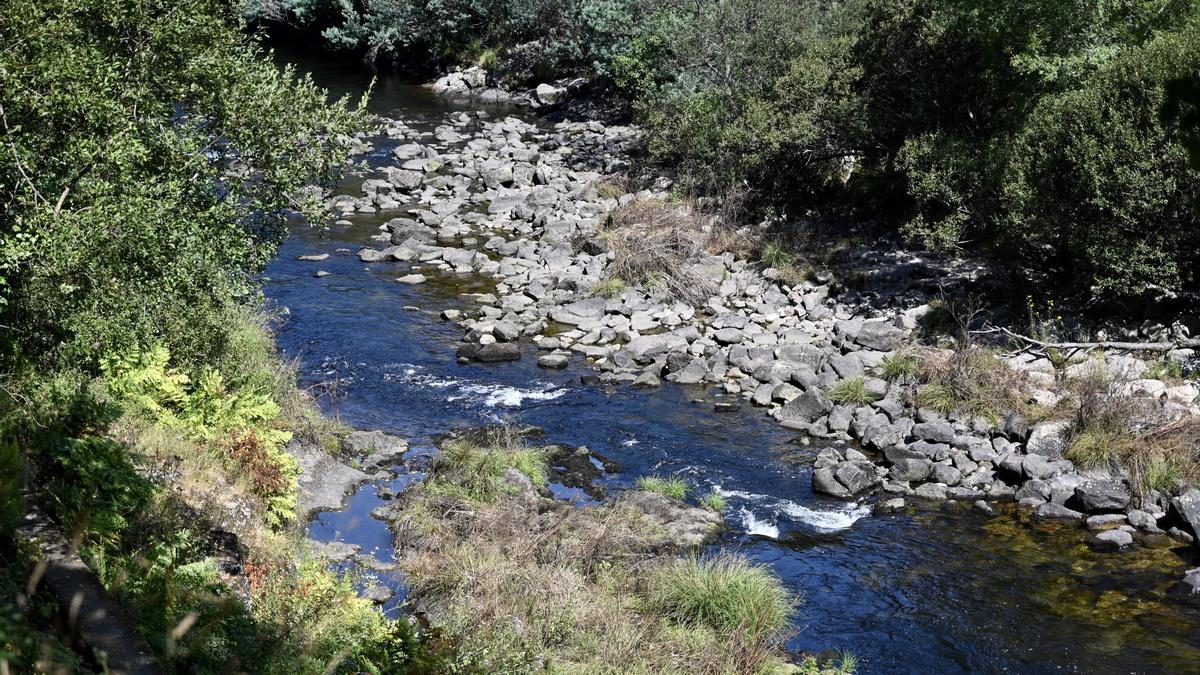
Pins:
x,y
526,205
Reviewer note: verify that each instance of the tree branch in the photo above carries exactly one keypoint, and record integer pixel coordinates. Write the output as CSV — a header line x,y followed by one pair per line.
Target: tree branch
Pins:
x,y
1107,344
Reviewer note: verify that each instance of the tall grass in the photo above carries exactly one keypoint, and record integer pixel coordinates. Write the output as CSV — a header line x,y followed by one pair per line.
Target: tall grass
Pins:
x,y
726,593
852,391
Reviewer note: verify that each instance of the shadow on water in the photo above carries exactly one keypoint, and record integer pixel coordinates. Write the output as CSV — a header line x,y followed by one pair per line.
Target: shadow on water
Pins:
x,y
944,589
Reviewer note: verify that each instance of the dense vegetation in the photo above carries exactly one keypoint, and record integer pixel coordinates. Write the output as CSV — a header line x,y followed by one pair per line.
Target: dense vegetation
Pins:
x,y
1052,136
149,154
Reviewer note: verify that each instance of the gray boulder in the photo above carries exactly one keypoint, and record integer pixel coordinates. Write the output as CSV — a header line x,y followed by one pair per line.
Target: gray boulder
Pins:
x,y
682,525
824,482
498,352
911,470
805,409
1048,439
1113,539
857,476
1186,508
650,346
1052,511
879,334
1103,496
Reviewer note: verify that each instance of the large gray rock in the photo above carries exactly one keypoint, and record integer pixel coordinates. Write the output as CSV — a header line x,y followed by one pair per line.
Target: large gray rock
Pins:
x,y
1103,496
879,334
682,525
650,346
498,352
1048,439
825,482
1052,511
1113,539
911,470
324,481
805,409
582,311
378,449
938,431
1186,508
857,476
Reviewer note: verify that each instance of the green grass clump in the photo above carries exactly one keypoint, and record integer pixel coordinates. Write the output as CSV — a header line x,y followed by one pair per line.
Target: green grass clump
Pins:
x,y
1167,371
1099,446
673,486
775,255
714,502
851,391
472,469
1161,473
610,287
935,396
726,593
899,366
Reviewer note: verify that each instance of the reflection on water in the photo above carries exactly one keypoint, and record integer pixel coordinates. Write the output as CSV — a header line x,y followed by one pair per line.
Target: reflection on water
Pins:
x,y
941,590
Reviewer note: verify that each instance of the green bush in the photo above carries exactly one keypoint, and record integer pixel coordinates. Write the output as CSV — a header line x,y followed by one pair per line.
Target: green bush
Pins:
x,y
144,178
1039,133
244,422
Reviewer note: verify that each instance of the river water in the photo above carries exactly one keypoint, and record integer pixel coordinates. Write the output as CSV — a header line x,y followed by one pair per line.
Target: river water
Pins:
x,y
935,590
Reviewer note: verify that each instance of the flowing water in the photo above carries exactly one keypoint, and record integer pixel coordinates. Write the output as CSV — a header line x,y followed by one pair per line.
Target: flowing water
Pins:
x,y
941,589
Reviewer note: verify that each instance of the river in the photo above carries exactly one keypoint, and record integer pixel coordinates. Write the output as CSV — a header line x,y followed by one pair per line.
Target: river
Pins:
x,y
933,590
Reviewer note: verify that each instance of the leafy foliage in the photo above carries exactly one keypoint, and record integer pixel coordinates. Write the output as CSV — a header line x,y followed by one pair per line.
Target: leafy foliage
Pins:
x,y
147,155
245,420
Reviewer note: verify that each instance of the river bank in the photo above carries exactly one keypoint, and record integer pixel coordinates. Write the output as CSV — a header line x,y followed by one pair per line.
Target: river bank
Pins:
x,y
396,369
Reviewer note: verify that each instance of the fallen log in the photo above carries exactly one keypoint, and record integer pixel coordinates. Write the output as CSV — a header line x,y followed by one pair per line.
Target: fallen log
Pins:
x,y
95,621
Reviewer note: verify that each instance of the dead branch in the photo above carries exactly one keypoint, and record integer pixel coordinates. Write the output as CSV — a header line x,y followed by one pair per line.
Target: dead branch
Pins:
x,y
1107,344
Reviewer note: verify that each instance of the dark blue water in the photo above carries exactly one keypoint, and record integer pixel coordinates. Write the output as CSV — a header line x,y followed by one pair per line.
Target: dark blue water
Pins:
x,y
945,589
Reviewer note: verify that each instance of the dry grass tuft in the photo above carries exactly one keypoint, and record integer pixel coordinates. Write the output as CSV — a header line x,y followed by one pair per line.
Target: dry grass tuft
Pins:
x,y
655,244
1114,430
969,379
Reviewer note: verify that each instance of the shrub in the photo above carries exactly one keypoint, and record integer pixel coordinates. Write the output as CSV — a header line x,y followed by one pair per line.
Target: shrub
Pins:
x,y
726,593
970,379
655,244
1165,370
12,505
672,486
1115,430
851,391
117,236
314,621
244,423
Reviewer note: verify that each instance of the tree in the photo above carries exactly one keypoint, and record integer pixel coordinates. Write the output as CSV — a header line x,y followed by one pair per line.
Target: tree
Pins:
x,y
148,153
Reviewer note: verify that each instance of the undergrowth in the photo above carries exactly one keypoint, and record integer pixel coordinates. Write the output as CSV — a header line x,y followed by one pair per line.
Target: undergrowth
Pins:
x,y
517,587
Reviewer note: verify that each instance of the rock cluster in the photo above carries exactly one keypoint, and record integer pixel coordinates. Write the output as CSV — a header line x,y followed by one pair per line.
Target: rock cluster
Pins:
x,y
522,204
476,84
